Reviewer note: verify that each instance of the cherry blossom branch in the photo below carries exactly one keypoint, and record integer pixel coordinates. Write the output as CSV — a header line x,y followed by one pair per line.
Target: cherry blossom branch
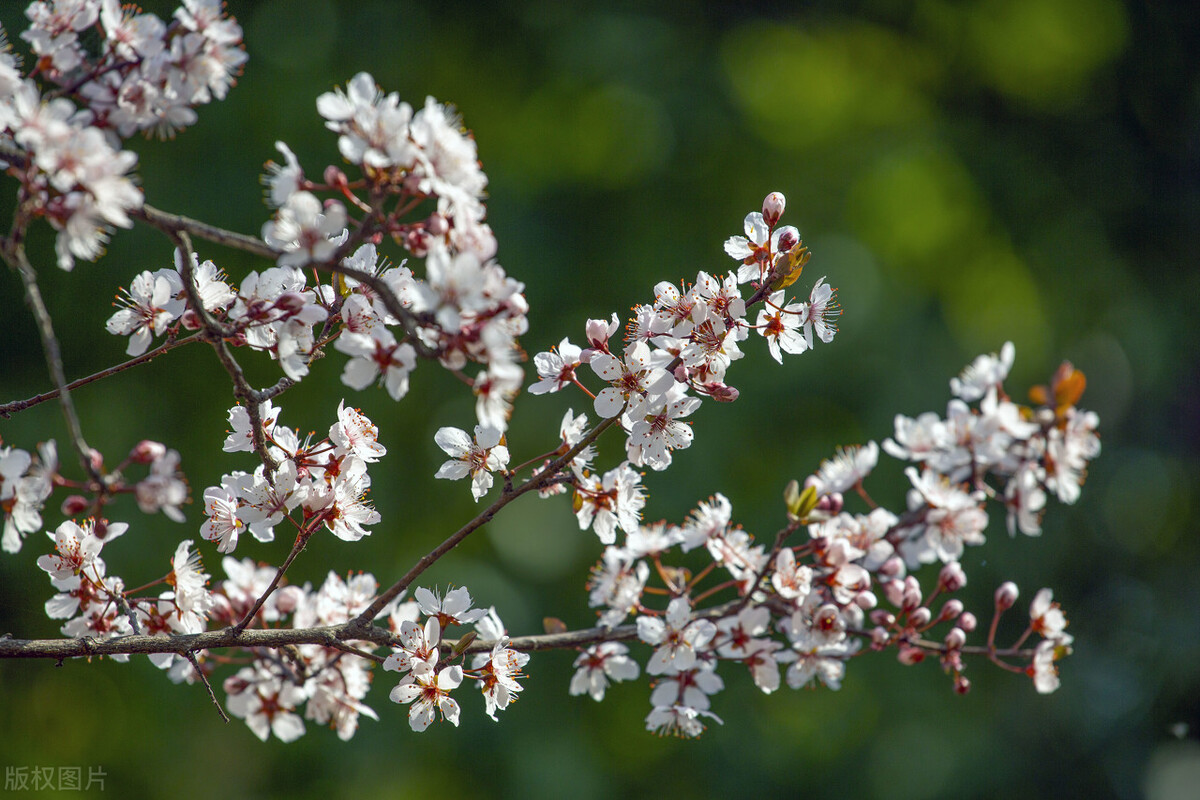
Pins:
x,y
16,406
177,223
543,478
180,644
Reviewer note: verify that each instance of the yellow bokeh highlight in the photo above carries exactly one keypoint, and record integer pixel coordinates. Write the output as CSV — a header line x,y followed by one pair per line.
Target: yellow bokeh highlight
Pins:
x,y
1043,51
806,88
916,210
992,298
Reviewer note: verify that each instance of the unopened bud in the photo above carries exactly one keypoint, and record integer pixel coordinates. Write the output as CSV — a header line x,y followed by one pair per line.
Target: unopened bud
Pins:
x,y
437,224
334,176
882,616
1006,595
147,452
75,504
956,638
912,593
789,237
894,592
952,577
910,655
96,458
721,392
879,638
961,684
598,331
865,600
920,617
951,610
968,622
892,568
831,504
773,208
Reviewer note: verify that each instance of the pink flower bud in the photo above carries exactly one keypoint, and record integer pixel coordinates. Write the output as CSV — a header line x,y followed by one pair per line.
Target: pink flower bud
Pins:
x,y
920,617
865,600
334,176
912,594
437,224
951,610
968,622
789,237
74,505
956,638
879,638
910,655
830,504
961,684
412,183
881,616
97,459
892,568
721,392
952,577
598,332
147,452
1006,595
773,208
894,592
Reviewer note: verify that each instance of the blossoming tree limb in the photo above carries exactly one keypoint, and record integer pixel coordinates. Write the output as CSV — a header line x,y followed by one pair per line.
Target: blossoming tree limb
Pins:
x,y
681,605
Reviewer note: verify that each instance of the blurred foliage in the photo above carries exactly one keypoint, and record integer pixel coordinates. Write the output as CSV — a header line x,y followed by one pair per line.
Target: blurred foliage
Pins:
x,y
964,172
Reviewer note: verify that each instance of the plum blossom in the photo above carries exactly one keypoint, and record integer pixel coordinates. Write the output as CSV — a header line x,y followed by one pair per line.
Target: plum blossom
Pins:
x,y
780,324
453,609
678,637
478,458
377,355
599,665
431,693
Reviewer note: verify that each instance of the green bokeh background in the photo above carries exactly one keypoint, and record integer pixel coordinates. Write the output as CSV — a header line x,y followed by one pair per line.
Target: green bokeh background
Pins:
x,y
965,173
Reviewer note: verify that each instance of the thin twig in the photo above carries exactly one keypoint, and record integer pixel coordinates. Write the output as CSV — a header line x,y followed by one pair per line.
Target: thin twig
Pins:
x,y
14,253
191,657
8,409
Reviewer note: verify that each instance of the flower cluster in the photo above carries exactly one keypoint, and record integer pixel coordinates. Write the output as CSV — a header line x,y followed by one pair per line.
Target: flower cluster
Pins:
x,y
144,75
95,604
326,480
851,585
677,351
465,308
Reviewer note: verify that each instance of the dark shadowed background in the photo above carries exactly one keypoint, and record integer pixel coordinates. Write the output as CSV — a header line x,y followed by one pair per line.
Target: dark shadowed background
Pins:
x,y
965,173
